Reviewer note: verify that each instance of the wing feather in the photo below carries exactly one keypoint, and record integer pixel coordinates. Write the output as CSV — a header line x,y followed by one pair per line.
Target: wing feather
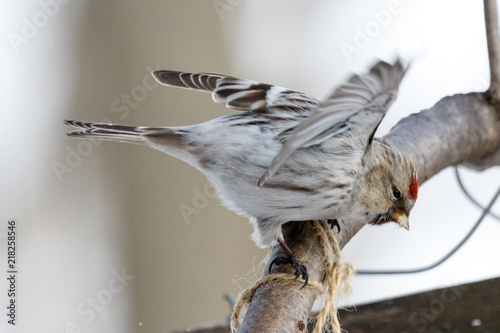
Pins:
x,y
239,94
363,96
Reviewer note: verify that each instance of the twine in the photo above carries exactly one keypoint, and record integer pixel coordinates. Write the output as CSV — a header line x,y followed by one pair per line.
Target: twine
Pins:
x,y
337,275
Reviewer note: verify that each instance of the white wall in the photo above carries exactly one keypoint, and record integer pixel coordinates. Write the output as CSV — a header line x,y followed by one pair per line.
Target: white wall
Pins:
x,y
115,209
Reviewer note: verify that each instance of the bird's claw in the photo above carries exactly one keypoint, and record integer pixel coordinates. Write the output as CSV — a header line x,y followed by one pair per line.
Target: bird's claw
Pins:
x,y
334,223
300,270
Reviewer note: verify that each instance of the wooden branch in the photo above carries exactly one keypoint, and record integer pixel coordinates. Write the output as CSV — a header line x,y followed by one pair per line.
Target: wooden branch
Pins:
x,y
459,129
491,25
277,305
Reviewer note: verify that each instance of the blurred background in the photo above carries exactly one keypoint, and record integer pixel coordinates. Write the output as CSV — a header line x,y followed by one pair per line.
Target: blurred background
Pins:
x,y
122,238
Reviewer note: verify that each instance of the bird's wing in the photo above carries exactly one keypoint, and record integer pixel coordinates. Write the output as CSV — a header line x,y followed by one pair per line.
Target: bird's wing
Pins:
x,y
239,94
357,107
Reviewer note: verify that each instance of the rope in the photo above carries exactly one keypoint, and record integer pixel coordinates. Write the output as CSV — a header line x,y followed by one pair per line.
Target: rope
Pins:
x,y
337,275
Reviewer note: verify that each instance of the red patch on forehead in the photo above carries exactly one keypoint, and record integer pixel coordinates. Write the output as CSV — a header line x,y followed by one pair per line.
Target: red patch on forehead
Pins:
x,y
413,190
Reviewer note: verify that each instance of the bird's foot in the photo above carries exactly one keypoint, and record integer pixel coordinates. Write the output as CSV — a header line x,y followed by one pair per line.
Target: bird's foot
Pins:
x,y
300,270
334,223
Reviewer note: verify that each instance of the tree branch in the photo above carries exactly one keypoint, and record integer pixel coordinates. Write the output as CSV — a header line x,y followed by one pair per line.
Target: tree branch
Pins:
x,y
459,129
491,25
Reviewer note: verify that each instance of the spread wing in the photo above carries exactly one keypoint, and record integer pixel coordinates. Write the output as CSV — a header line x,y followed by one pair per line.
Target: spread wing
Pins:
x,y
238,94
358,106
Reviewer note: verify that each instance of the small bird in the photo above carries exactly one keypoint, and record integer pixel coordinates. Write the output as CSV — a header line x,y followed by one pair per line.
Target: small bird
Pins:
x,y
288,156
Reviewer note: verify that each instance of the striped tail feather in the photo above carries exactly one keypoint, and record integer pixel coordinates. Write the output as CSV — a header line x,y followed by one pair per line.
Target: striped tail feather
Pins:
x,y
122,133
169,140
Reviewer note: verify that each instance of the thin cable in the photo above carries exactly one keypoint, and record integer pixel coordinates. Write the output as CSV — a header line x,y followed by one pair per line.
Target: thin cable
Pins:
x,y
452,252
467,194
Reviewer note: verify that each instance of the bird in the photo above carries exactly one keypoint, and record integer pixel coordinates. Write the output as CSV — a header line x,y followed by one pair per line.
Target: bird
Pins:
x,y
287,156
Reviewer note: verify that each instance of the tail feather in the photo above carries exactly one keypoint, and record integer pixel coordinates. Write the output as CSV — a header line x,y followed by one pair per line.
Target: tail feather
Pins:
x,y
110,132
166,139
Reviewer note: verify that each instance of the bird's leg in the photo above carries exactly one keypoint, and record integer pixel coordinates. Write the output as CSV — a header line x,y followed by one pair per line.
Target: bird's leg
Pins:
x,y
334,223
300,270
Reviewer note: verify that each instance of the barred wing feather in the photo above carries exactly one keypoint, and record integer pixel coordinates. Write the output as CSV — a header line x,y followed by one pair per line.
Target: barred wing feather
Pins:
x,y
239,94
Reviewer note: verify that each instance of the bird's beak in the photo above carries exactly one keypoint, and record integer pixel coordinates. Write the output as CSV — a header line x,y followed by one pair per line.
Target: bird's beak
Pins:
x,y
401,218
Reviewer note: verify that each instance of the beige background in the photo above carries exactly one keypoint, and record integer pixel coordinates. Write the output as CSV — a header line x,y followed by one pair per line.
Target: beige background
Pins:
x,y
84,219
118,208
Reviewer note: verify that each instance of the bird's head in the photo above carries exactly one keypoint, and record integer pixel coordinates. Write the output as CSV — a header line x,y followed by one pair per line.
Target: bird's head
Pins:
x,y
390,189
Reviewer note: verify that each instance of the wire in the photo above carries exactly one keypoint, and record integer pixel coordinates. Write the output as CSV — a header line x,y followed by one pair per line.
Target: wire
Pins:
x,y
467,194
485,212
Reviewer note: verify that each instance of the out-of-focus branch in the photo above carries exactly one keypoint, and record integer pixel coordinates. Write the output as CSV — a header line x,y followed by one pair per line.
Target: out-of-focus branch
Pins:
x,y
493,39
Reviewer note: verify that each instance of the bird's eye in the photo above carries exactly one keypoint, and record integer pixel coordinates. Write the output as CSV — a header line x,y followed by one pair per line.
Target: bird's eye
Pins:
x,y
396,193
